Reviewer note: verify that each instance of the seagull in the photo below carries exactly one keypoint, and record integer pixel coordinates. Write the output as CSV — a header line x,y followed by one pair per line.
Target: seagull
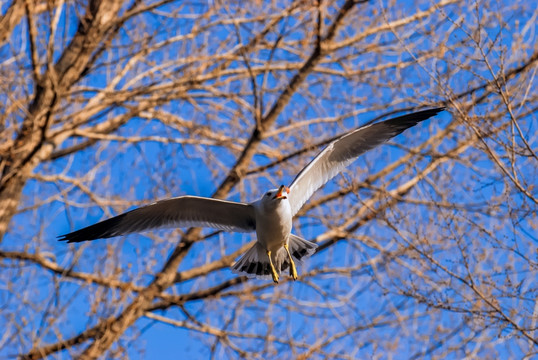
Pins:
x,y
270,216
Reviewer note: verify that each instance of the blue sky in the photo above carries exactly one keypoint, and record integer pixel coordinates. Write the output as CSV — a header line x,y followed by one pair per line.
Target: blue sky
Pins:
x,y
150,170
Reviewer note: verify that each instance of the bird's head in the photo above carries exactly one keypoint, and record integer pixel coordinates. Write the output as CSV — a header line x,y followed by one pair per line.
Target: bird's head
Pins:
x,y
275,196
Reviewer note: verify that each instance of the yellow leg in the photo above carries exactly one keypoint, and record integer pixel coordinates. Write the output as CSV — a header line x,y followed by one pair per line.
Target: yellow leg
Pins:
x,y
273,270
293,269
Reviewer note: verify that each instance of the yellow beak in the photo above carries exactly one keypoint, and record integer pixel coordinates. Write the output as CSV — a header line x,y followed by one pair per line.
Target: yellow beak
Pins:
x,y
281,194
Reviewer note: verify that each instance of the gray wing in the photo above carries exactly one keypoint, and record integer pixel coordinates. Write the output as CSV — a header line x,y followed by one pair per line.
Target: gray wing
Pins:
x,y
344,150
182,211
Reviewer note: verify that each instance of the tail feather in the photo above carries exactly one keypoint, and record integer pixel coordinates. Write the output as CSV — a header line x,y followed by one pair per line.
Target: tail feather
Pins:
x,y
255,263
300,248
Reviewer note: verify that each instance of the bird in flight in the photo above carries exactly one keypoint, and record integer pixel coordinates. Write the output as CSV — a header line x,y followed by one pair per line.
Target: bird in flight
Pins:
x,y
270,216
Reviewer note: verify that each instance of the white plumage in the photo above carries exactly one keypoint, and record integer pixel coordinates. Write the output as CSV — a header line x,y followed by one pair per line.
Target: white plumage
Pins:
x,y
270,216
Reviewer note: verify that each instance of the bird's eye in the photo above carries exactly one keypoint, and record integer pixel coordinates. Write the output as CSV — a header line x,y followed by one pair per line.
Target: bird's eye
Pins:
x,y
268,194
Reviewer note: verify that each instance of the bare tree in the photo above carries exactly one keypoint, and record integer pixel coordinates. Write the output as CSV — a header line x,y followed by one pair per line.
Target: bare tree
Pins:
x,y
427,245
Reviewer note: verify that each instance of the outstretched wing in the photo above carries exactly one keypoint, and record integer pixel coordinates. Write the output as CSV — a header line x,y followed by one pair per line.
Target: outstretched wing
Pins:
x,y
182,211
344,150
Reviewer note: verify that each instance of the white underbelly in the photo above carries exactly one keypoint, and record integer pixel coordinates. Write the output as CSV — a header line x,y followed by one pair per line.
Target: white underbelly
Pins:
x,y
273,231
